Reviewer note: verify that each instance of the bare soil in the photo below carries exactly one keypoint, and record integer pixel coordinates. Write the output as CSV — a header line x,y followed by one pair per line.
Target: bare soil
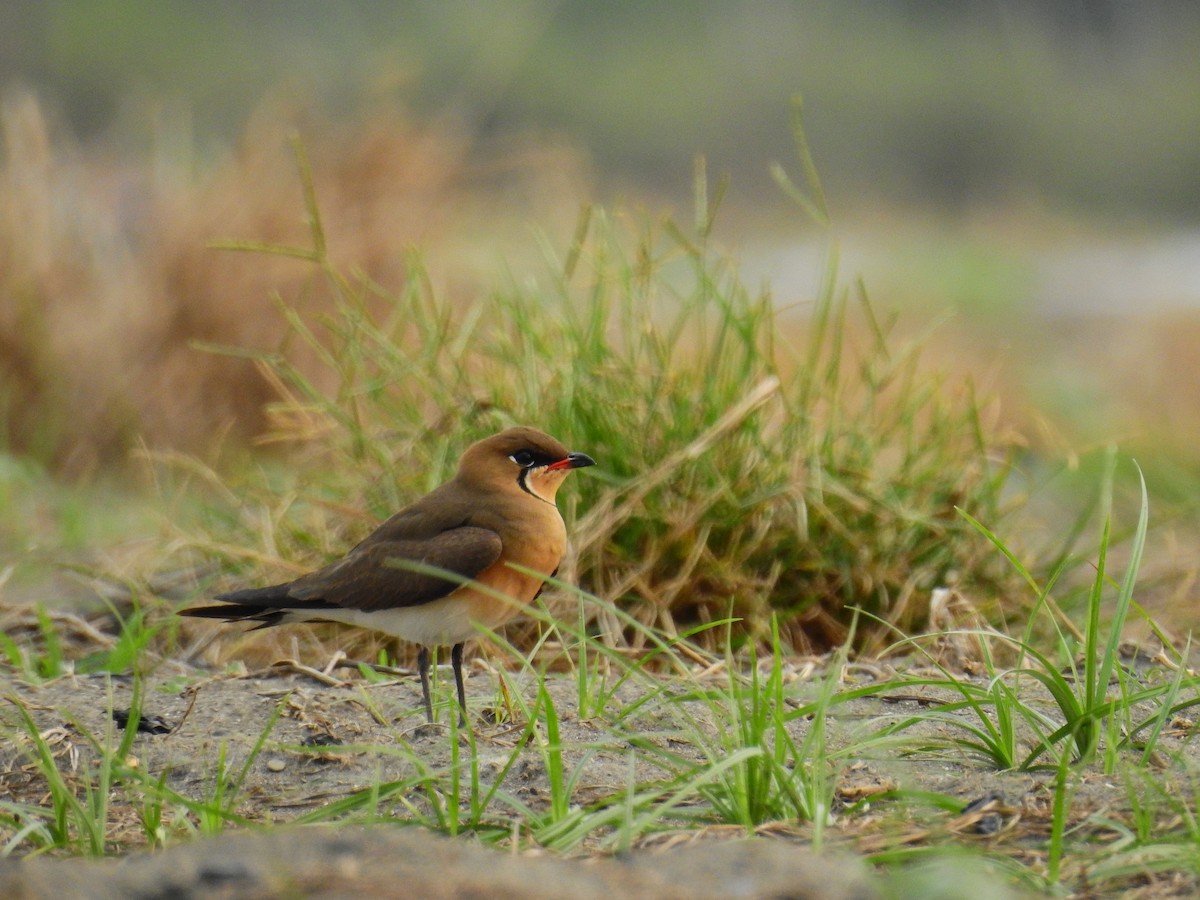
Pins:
x,y
337,734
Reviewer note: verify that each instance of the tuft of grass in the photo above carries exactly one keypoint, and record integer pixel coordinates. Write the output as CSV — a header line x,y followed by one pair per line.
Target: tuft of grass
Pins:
x,y
76,816
220,808
797,470
1082,694
784,778
1098,706
50,662
83,790
745,763
40,644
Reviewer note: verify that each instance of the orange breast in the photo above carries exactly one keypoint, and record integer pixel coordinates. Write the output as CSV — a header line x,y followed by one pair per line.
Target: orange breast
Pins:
x,y
542,554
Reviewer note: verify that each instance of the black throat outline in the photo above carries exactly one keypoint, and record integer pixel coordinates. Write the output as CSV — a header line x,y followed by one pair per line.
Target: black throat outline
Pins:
x,y
522,480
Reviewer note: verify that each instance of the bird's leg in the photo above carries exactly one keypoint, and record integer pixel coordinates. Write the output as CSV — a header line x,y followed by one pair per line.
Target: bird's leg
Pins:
x,y
423,669
456,659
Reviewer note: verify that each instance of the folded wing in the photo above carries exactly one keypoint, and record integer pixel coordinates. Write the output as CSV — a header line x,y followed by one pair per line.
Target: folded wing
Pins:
x,y
377,574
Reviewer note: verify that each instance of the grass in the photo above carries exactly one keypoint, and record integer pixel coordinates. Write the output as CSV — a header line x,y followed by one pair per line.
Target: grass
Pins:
x,y
760,495
1089,717
765,460
710,742
721,742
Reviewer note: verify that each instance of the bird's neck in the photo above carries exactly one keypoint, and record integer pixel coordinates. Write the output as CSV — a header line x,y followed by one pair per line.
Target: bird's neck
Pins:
x,y
541,484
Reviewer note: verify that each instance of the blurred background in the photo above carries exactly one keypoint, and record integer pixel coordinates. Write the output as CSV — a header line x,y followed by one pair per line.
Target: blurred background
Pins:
x,y
1025,174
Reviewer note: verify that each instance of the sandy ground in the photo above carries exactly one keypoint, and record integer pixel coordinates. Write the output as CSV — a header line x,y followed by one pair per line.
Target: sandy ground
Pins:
x,y
334,738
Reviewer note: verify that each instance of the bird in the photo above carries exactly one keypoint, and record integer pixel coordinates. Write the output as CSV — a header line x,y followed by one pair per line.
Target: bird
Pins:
x,y
473,552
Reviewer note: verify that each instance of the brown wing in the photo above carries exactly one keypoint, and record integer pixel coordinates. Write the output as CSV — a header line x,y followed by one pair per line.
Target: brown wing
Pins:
x,y
373,575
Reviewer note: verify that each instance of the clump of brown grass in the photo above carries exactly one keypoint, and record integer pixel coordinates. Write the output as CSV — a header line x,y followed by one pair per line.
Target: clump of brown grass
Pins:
x,y
107,276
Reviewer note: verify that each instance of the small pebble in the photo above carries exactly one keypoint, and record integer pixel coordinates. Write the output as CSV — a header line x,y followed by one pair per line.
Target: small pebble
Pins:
x,y
276,765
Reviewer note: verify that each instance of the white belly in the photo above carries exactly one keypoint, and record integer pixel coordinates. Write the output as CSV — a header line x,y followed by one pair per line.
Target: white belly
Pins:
x,y
444,622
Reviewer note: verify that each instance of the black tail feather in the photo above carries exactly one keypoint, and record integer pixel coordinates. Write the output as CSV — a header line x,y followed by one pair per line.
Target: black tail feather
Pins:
x,y
237,613
267,606
274,596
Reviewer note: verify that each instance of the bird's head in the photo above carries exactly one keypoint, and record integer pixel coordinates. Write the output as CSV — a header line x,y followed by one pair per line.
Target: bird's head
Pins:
x,y
521,457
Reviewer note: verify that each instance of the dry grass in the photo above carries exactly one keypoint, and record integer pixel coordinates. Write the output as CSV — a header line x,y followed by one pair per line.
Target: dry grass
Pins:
x,y
107,274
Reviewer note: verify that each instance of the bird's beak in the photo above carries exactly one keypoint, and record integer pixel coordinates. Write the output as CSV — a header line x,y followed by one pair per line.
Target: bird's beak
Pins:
x,y
571,461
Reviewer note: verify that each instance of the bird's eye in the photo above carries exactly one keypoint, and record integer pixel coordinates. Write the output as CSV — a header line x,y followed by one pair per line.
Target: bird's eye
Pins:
x,y
522,458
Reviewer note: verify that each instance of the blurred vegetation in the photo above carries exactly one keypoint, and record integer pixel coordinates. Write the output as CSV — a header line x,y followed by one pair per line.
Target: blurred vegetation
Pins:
x,y
107,275
1091,104
137,132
